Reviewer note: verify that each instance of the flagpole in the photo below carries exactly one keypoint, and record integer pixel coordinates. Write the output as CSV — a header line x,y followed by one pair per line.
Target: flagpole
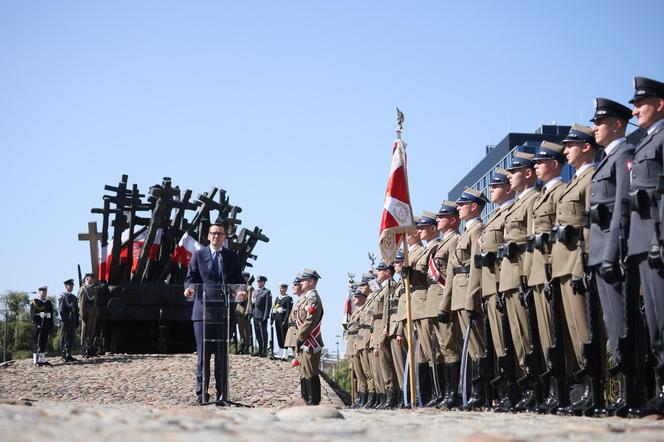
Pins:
x,y
409,328
409,311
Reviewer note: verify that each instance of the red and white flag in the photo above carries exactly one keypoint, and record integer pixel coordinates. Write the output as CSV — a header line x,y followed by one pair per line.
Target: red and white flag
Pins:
x,y
186,247
435,273
397,213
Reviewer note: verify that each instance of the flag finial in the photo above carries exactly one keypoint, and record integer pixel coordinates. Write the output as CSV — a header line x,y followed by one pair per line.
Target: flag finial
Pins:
x,y
399,121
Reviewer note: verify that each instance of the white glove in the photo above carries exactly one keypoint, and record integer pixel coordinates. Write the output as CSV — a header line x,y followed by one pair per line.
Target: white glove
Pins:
x,y
42,314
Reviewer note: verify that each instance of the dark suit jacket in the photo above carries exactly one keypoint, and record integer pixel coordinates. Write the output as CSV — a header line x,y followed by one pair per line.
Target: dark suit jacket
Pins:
x,y
200,272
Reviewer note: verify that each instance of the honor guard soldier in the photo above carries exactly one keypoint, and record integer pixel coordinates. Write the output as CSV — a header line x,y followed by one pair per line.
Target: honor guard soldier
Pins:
x,y
291,341
609,216
309,315
645,232
462,297
422,317
569,265
372,309
396,313
549,161
89,310
68,311
364,353
283,304
353,328
243,314
261,304
492,238
447,223
41,311
515,265
379,338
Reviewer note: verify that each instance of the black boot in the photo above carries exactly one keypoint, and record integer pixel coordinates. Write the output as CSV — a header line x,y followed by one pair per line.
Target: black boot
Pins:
x,y
314,390
64,357
371,399
509,399
451,398
585,402
653,406
380,401
552,400
438,395
392,399
477,397
531,397
359,396
70,358
304,390
424,375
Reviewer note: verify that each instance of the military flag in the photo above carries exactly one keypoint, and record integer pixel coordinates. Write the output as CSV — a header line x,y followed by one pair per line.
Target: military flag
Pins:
x,y
397,213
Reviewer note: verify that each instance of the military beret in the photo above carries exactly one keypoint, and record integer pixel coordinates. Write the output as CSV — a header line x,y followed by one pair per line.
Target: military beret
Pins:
x,y
550,151
426,219
609,108
399,257
645,87
69,282
521,160
447,208
262,278
580,134
470,195
499,177
43,288
283,284
309,274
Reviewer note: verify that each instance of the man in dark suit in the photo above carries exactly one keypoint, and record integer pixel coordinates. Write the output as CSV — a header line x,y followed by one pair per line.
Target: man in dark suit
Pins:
x,y
645,241
209,268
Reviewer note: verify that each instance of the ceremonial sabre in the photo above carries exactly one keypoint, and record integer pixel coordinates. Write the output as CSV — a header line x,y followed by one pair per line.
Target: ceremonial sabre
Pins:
x,y
464,365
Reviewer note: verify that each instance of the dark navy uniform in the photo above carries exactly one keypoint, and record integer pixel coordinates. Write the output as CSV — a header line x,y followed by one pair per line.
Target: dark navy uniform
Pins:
x,y
609,189
68,311
41,311
282,308
260,308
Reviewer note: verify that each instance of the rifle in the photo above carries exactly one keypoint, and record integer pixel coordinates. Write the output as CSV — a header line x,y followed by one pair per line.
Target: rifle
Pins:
x,y
80,277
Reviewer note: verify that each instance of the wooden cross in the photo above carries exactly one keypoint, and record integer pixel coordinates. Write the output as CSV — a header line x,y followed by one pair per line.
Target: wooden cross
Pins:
x,y
94,237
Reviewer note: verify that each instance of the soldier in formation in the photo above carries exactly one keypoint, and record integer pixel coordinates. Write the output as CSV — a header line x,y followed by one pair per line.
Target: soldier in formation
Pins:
x,y
68,312
559,272
89,311
283,304
41,310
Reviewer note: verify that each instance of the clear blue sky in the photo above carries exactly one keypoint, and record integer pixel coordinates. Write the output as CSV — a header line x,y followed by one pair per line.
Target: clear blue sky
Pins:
x,y
289,106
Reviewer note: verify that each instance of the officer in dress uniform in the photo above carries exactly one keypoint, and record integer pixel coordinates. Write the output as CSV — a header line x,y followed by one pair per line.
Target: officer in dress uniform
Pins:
x,y
514,268
549,161
309,315
41,311
571,236
609,213
492,238
645,232
283,304
462,295
372,309
291,341
379,338
88,309
395,311
363,339
449,346
261,304
352,330
243,314
422,319
68,311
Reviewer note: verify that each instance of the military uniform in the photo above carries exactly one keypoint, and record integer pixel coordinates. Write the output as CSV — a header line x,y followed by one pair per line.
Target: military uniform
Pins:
x,y
371,308
68,312
89,310
394,309
261,305
352,330
645,232
309,315
571,235
290,341
243,316
281,311
42,317
362,339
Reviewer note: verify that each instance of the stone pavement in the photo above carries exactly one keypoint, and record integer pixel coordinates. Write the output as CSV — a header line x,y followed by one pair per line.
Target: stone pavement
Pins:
x,y
145,398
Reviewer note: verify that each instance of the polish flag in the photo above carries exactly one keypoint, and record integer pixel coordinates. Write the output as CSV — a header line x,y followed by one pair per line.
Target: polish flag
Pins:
x,y
186,247
397,212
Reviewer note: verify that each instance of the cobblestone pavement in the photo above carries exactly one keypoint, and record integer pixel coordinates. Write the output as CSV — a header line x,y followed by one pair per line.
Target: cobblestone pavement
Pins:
x,y
140,398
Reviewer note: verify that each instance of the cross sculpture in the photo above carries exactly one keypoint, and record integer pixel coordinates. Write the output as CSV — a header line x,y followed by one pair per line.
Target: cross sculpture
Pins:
x,y
93,237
